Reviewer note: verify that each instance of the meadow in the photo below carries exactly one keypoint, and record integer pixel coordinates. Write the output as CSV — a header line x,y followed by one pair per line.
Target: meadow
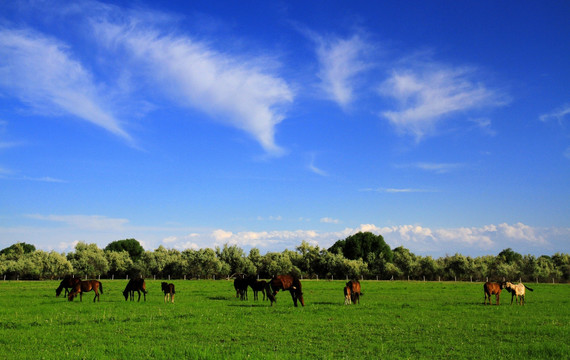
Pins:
x,y
393,320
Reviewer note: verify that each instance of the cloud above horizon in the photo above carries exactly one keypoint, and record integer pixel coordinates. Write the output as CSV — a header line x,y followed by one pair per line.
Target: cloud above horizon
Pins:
x,y
340,62
238,90
41,72
426,95
421,240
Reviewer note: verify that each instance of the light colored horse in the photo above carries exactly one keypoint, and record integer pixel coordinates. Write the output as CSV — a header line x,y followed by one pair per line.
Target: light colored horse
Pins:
x,y
517,291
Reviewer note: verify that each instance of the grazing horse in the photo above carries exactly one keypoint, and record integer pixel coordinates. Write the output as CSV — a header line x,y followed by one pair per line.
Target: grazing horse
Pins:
x,y
257,286
169,292
137,285
492,288
517,291
347,295
68,282
86,286
286,282
355,291
241,283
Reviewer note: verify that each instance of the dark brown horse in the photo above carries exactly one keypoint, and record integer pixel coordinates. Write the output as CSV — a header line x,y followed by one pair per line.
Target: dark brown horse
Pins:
x,y
355,291
257,286
241,283
492,288
67,283
86,286
169,291
286,282
137,285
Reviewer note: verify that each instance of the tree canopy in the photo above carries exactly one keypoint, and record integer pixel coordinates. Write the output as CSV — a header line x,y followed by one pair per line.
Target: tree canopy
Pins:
x,y
132,246
361,245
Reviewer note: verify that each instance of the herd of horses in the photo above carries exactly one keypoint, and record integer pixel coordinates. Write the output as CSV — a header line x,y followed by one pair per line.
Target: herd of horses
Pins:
x,y
352,291
79,286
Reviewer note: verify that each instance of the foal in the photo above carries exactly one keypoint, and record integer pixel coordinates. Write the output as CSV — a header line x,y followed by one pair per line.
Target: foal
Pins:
x,y
169,292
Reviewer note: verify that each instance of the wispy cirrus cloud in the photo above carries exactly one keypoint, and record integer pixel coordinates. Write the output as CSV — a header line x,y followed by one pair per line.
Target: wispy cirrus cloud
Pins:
x,y
238,90
559,114
439,168
42,73
328,220
340,62
399,190
427,94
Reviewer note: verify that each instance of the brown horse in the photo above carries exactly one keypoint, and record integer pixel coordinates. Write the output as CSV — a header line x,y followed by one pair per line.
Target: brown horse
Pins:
x,y
493,288
86,286
169,291
68,282
137,285
355,291
286,282
257,286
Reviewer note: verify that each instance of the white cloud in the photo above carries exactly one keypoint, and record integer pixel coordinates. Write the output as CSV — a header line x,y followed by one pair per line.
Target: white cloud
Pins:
x,y
237,90
521,231
328,220
41,72
439,168
86,222
341,61
427,94
559,115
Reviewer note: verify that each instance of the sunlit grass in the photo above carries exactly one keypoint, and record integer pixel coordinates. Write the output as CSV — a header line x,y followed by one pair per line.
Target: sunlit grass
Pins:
x,y
393,320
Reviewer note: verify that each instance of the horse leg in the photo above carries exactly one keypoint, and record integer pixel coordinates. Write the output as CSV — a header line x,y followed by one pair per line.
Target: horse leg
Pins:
x,y
139,296
294,297
81,296
172,297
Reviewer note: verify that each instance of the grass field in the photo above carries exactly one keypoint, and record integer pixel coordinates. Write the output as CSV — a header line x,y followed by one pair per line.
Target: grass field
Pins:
x,y
394,320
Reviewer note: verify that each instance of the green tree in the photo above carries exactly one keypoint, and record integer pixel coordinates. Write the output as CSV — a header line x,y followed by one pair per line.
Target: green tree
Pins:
x,y
120,264
88,260
404,260
309,259
359,245
235,257
509,256
18,249
132,246
427,267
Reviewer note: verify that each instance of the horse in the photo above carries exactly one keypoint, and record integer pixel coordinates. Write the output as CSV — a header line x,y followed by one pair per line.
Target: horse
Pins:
x,y
347,295
257,286
241,283
68,282
492,288
517,291
169,291
86,286
355,291
286,282
137,285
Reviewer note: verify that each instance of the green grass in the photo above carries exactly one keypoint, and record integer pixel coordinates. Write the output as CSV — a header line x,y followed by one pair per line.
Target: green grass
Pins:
x,y
394,320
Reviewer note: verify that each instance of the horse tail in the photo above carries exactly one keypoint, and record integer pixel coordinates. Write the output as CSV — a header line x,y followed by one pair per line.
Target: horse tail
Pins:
x,y
100,286
528,288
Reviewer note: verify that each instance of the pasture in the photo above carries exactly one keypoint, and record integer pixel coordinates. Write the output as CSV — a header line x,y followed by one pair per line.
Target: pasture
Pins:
x,y
394,320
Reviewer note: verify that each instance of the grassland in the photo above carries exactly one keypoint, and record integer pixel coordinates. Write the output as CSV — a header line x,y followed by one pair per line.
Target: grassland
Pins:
x,y
394,320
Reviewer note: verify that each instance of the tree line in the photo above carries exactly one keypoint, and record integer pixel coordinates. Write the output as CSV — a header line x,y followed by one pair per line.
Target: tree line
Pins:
x,y
362,255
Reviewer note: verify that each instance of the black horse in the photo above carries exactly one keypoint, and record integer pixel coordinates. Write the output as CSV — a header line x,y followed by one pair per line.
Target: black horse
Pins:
x,y
67,283
137,285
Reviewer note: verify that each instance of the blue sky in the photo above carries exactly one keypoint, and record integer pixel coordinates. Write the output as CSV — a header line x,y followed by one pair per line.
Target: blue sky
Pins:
x,y
442,125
